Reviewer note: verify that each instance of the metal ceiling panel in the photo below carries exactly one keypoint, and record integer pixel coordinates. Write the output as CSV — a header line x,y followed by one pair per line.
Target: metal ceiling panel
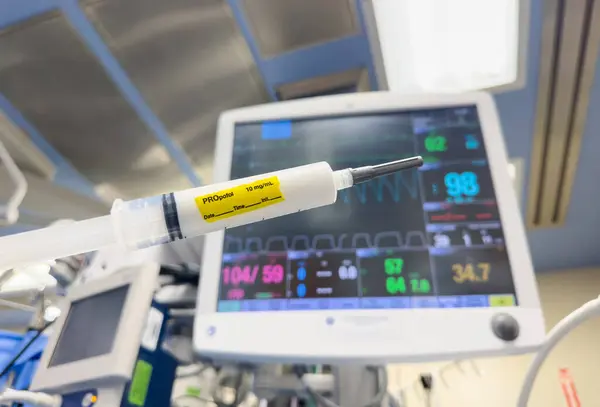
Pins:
x,y
352,80
23,151
189,61
50,76
282,26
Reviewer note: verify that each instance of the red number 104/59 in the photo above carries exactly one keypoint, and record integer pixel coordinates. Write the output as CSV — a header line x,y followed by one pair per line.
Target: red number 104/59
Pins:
x,y
236,275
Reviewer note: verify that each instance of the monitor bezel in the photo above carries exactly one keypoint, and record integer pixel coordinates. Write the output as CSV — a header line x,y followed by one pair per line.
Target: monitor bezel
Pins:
x,y
264,336
116,366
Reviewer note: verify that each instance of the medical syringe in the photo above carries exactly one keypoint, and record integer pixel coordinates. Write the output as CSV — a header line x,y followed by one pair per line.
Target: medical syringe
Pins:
x,y
196,211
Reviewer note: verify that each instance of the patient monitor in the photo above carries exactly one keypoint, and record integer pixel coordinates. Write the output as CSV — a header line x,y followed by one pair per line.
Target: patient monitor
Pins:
x,y
424,264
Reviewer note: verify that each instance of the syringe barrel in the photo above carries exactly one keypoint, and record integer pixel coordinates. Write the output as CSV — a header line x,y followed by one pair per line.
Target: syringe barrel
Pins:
x,y
55,242
197,211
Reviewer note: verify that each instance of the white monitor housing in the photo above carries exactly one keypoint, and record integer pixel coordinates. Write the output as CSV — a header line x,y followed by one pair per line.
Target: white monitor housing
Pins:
x,y
432,291
96,339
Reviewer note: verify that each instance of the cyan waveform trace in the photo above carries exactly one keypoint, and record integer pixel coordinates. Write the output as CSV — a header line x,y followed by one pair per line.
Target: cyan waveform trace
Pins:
x,y
326,242
394,186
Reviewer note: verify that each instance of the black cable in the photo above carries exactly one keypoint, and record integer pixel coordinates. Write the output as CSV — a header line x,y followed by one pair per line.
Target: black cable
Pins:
x,y
12,362
182,274
238,388
198,372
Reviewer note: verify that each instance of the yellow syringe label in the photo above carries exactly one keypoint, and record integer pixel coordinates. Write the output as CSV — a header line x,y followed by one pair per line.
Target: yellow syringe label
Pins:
x,y
239,199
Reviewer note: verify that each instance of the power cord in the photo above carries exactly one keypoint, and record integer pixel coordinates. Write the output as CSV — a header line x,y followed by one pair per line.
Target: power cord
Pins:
x,y
563,328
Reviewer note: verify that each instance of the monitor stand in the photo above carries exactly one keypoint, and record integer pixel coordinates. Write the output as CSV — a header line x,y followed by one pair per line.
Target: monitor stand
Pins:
x,y
355,386
352,386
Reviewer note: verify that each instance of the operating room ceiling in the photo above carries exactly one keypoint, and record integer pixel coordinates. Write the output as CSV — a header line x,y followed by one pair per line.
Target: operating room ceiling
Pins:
x,y
122,97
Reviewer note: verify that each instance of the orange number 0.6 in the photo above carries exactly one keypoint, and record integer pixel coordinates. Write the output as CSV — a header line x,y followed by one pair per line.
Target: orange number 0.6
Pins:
x,y
468,272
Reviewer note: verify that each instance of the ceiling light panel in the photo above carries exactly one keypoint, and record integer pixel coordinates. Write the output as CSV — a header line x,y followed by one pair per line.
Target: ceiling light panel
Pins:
x,y
433,46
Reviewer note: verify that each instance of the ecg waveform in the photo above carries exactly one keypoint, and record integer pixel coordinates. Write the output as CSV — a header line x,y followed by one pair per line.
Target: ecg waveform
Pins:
x,y
394,186
325,242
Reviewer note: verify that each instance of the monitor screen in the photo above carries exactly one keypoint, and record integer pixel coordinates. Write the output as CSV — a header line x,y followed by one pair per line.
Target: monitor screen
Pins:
x,y
427,238
90,327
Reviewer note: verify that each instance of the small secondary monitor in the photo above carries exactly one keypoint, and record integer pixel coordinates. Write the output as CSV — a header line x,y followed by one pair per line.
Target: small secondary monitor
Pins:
x,y
82,338
412,266
96,339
